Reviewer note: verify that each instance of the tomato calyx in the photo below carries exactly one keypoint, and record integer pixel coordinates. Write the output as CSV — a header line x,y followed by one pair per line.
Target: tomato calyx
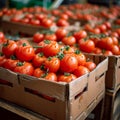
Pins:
x,y
1,54
6,44
66,74
13,57
60,55
67,47
45,74
47,41
77,51
24,44
49,58
20,64
41,54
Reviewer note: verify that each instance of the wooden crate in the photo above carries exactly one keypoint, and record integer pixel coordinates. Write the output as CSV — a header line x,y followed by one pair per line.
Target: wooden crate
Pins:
x,y
19,28
112,104
74,100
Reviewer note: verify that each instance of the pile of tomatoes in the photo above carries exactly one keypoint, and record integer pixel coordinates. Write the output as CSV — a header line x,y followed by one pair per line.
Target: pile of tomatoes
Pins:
x,y
54,60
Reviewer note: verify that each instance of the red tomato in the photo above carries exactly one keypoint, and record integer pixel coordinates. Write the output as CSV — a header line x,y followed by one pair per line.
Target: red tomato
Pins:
x,y
107,53
51,48
38,72
97,50
47,23
40,16
81,70
61,22
25,52
115,50
2,59
50,76
9,48
24,20
68,50
38,37
38,59
69,40
50,37
61,33
86,45
66,77
10,64
80,57
52,64
2,36
35,22
80,34
24,68
69,63
90,65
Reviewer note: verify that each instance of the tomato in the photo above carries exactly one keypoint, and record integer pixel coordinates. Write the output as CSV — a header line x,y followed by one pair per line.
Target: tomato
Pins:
x,y
97,50
95,30
2,59
80,34
29,16
24,20
86,45
40,16
68,50
38,72
35,22
20,42
10,64
107,53
69,63
70,40
25,52
90,65
38,37
24,68
52,64
47,23
61,33
66,77
38,59
81,70
62,22
102,28
50,76
115,50
80,57
64,16
2,36
115,40
9,48
50,37
51,48
108,25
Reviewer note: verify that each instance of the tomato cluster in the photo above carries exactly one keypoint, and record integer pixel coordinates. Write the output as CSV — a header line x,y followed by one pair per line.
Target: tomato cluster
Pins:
x,y
53,60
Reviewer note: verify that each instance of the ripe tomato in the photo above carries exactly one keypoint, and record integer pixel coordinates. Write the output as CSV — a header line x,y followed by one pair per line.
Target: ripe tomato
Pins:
x,y
50,76
20,42
107,53
97,50
25,52
90,65
81,70
9,48
10,64
2,36
115,50
50,37
80,34
62,22
29,16
40,16
86,45
24,20
2,59
51,48
70,40
38,59
47,23
68,50
80,57
115,40
66,77
52,64
69,63
24,68
38,37
61,33
38,72
35,22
